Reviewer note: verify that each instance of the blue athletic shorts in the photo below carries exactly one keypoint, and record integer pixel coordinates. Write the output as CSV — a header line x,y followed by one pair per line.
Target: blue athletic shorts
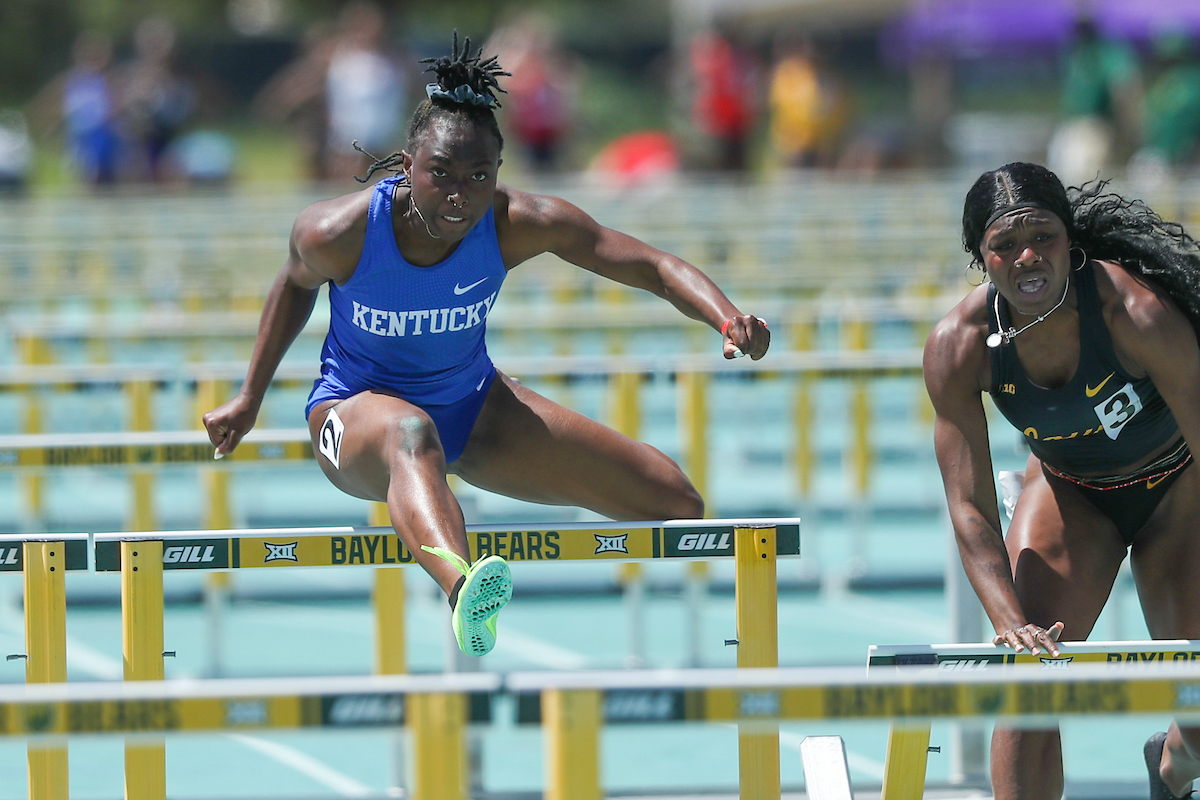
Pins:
x,y
454,421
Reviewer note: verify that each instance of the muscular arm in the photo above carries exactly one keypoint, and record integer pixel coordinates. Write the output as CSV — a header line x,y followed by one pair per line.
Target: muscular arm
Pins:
x,y
324,245
536,224
1150,331
954,360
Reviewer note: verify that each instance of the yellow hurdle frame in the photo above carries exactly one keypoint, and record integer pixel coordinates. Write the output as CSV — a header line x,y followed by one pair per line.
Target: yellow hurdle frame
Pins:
x,y
46,650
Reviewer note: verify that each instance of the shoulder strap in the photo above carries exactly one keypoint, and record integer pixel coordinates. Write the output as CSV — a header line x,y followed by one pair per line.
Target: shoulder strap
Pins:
x,y
1094,335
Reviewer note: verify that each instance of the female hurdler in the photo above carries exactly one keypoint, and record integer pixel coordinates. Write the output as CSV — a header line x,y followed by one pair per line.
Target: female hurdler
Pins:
x,y
1085,338
407,392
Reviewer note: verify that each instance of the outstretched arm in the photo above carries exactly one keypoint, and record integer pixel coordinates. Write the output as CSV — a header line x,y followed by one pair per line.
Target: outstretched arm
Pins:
x,y
538,224
951,367
315,255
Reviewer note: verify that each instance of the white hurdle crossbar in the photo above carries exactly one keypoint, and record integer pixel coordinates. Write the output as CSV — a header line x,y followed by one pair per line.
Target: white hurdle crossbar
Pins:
x,y
752,698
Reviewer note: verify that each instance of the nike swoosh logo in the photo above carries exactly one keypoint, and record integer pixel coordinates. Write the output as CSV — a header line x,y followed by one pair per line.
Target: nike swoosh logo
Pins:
x,y
1090,392
464,289
1150,484
481,383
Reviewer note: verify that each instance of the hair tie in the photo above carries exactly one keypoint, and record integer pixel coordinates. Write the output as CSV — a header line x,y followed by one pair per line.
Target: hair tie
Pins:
x,y
461,94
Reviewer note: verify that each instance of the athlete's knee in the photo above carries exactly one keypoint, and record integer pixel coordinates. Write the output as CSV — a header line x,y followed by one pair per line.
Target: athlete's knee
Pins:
x,y
413,433
1190,738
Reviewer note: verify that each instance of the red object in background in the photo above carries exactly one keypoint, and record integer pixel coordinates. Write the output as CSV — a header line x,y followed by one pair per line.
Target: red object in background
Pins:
x,y
721,107
634,157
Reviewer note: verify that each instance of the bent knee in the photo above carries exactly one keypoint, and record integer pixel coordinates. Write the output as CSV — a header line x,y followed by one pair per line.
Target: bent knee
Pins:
x,y
413,434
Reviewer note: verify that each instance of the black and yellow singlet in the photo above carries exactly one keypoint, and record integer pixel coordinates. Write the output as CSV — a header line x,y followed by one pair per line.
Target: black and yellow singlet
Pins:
x,y
1102,419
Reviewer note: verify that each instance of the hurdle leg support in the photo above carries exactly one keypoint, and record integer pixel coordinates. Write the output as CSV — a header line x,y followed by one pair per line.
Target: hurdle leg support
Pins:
x,y
391,658
572,723
46,646
142,635
439,753
907,757
758,646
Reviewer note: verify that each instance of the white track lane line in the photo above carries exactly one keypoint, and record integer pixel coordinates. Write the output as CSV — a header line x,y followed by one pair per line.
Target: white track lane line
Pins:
x,y
305,764
79,656
515,644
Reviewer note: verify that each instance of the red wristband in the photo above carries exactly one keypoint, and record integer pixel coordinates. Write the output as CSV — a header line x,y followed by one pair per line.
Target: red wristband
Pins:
x,y
725,325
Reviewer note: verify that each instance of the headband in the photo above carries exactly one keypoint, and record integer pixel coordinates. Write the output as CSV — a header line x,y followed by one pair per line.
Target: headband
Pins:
x,y
1006,210
462,94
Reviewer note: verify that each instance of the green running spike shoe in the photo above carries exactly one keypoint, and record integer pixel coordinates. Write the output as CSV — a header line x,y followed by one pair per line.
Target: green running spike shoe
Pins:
x,y
486,590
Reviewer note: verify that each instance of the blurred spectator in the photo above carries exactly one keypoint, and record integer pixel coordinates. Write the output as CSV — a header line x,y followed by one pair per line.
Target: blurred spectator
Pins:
x,y
1172,119
808,108
202,158
82,102
294,98
541,93
1101,99
366,91
724,99
16,151
155,101
931,101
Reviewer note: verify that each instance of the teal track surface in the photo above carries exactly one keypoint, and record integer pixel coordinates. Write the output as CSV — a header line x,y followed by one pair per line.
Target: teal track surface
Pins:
x,y
870,574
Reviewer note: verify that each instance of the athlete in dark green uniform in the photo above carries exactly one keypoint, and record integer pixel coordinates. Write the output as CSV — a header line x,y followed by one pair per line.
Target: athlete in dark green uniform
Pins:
x,y
1087,338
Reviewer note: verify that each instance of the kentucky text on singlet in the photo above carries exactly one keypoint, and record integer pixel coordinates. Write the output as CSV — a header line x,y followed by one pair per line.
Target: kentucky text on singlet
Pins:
x,y
1103,419
418,331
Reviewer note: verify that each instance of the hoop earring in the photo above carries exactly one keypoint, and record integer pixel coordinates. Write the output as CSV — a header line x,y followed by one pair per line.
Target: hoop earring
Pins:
x,y
1083,253
973,268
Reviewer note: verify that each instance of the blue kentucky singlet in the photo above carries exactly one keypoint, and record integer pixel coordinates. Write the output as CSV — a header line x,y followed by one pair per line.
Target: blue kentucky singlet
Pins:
x,y
1101,420
418,331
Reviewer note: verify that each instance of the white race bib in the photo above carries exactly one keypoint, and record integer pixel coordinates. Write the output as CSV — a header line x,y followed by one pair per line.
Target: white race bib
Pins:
x,y
1118,410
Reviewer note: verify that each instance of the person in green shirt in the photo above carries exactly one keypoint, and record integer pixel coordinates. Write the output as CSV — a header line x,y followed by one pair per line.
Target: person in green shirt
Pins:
x,y
1172,121
1099,107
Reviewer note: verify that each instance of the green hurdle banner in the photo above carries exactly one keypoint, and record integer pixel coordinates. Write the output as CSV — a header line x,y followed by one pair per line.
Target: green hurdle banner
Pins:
x,y
707,695
76,548
981,657
380,546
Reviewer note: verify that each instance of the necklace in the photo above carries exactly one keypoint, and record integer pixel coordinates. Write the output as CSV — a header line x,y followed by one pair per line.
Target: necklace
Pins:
x,y
413,203
1005,336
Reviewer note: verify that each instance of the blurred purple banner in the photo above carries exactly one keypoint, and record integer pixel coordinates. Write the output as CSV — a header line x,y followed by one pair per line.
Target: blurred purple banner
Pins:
x,y
976,28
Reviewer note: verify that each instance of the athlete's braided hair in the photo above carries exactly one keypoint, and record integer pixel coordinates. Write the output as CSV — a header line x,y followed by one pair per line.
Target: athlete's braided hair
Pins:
x,y
1106,225
1111,227
465,87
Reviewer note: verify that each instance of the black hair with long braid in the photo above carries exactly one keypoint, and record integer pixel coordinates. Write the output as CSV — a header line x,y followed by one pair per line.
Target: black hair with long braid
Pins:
x,y
1105,224
465,86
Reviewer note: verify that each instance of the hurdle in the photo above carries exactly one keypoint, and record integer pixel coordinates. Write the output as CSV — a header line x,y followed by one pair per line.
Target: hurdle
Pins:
x,y
141,559
908,742
35,451
44,563
756,698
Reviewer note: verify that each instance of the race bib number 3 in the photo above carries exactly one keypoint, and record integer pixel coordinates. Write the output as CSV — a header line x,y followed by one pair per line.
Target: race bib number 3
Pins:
x,y
330,443
1118,409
